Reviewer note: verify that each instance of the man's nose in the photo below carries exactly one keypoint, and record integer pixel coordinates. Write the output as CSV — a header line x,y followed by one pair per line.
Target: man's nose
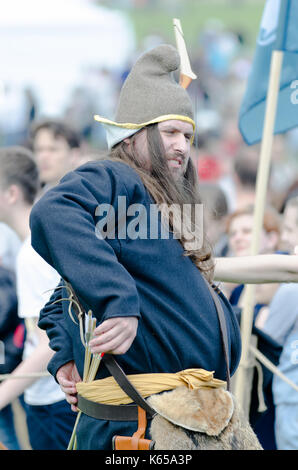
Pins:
x,y
181,143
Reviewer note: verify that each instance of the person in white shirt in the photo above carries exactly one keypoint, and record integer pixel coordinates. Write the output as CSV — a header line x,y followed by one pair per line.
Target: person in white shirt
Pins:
x,y
9,247
49,417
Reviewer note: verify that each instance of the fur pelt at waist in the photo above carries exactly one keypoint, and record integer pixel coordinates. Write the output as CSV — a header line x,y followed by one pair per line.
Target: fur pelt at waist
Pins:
x,y
206,419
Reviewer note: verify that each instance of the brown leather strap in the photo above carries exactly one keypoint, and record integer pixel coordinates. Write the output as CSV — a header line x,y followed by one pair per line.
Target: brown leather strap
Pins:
x,y
223,330
140,432
123,382
107,412
137,441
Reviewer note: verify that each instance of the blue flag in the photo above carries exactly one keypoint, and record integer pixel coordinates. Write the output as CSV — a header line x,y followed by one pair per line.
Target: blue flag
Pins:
x,y
278,31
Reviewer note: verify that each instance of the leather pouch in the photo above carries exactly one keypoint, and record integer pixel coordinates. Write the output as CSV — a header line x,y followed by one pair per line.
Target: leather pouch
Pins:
x,y
200,419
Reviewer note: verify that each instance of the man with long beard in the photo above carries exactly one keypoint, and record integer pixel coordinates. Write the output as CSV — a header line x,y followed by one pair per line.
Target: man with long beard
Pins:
x,y
149,295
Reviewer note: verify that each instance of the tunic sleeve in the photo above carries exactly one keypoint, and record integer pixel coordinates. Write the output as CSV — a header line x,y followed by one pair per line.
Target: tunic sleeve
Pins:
x,y
52,319
63,224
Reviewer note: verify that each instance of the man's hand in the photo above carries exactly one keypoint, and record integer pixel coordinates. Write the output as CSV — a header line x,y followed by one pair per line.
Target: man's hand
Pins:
x,y
114,335
67,377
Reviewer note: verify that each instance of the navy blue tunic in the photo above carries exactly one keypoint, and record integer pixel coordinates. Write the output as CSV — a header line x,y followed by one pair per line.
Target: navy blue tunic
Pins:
x,y
125,275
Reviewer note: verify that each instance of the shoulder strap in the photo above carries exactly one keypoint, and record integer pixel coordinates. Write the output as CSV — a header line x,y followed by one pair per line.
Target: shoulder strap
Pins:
x,y
223,329
123,382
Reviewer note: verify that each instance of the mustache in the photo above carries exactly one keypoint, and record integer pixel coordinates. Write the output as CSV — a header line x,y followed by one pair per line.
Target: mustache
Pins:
x,y
176,155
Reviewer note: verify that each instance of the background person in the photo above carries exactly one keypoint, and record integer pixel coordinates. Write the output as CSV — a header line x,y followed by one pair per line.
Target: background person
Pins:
x,y
282,325
49,418
57,149
11,349
240,229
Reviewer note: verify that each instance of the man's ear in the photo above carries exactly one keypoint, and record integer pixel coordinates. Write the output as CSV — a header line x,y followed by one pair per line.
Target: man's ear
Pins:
x,y
12,194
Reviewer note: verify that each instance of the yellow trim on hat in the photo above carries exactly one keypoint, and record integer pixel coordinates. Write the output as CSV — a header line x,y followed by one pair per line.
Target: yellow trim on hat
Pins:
x,y
130,125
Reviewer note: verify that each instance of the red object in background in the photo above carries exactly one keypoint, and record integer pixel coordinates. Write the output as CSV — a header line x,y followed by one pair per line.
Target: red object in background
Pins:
x,y
18,336
209,168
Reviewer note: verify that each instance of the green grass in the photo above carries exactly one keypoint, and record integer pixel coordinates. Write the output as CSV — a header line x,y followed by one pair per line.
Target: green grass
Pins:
x,y
239,15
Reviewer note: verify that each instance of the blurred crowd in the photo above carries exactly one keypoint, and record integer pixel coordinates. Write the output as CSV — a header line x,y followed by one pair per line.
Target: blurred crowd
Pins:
x,y
227,170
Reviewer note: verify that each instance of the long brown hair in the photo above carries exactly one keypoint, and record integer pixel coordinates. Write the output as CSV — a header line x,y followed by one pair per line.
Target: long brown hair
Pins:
x,y
165,191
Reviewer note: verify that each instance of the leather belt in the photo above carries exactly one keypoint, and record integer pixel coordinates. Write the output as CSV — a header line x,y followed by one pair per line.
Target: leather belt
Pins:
x,y
108,412
116,412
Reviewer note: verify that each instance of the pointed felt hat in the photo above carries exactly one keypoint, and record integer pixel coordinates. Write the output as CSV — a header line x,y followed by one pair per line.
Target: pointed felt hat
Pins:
x,y
150,94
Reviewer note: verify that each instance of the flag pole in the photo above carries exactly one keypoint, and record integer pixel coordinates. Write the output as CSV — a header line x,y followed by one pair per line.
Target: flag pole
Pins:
x,y
244,373
242,390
